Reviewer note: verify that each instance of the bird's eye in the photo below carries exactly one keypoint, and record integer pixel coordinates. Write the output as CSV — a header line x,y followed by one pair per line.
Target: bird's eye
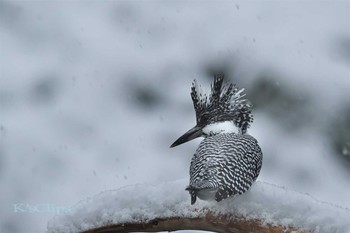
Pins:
x,y
205,118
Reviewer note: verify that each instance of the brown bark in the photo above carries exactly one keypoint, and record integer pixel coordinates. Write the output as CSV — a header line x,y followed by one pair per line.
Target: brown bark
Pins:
x,y
209,222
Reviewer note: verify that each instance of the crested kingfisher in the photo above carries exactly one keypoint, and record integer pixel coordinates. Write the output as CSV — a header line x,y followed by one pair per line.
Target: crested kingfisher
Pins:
x,y
228,160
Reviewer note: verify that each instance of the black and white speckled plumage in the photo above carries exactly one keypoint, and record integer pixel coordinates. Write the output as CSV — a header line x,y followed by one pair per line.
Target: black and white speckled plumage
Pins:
x,y
224,165
228,160
225,103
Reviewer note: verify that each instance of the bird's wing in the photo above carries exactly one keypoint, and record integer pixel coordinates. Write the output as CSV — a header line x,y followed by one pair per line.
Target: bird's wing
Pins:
x,y
237,174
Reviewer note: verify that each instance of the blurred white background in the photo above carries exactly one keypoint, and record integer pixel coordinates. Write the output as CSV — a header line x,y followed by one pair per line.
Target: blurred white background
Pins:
x,y
93,93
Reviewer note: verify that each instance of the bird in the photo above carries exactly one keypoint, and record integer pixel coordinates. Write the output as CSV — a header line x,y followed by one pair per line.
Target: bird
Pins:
x,y
228,160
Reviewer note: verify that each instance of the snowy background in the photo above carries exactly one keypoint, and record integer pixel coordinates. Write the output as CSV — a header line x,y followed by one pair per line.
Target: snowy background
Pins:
x,y
92,94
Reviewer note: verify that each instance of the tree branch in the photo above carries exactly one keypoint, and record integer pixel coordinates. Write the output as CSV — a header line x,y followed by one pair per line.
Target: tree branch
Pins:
x,y
209,222
265,208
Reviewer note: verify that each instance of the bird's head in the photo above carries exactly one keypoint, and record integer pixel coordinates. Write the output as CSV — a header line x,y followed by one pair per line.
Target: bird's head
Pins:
x,y
224,111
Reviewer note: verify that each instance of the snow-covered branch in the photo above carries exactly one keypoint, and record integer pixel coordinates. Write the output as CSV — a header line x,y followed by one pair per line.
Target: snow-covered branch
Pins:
x,y
166,207
208,222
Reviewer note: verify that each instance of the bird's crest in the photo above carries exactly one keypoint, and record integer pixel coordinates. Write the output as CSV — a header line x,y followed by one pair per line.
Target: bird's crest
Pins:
x,y
225,103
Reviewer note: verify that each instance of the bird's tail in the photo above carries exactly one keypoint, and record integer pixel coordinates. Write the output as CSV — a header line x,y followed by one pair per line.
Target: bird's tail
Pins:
x,y
193,192
194,188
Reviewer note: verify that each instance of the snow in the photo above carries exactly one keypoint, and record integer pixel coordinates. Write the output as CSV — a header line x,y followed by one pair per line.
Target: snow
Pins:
x,y
141,203
72,121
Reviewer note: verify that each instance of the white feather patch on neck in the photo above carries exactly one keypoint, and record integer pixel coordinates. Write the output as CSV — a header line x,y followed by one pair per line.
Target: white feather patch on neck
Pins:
x,y
220,127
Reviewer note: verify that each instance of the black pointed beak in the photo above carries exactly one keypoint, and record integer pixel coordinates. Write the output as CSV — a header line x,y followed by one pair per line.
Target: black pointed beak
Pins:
x,y
193,133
